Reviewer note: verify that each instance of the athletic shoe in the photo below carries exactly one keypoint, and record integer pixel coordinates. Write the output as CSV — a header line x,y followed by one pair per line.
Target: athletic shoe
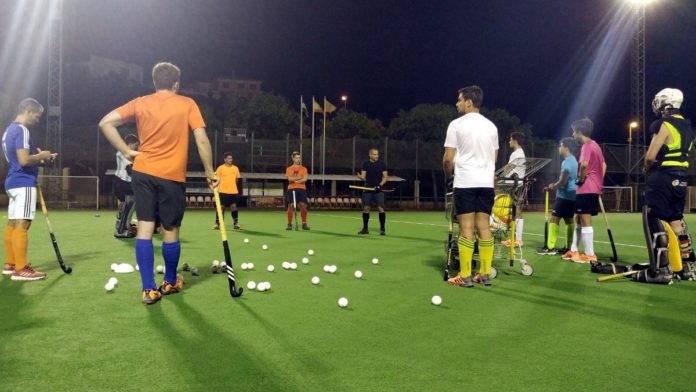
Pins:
x,y
8,269
27,274
288,227
585,259
562,250
382,232
151,296
364,231
237,226
305,227
462,282
546,251
485,280
216,227
168,288
569,255
506,243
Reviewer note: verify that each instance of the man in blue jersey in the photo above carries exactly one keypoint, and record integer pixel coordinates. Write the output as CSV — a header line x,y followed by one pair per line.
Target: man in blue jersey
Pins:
x,y
20,185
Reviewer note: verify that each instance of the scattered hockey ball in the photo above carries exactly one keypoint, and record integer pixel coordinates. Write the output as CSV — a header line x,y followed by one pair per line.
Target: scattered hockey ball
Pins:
x,y
333,269
250,266
293,266
327,268
286,265
264,247
436,300
114,266
159,269
244,266
343,302
270,268
310,252
113,281
109,287
315,280
375,261
251,285
305,260
358,274
246,240
261,287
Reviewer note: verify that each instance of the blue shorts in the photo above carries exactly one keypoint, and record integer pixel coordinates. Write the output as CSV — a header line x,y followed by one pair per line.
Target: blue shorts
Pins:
x,y
300,196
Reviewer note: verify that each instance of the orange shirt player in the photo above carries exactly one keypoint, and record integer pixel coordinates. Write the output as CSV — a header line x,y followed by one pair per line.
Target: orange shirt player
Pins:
x,y
297,190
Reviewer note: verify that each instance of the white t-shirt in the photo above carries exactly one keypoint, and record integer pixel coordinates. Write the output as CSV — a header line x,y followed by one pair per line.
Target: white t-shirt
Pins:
x,y
518,164
476,140
121,163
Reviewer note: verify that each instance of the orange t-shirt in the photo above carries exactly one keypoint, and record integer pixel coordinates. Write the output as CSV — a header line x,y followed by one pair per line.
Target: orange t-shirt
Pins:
x,y
295,171
164,121
228,179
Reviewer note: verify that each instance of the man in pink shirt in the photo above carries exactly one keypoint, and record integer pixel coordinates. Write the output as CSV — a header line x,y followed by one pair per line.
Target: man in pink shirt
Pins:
x,y
591,169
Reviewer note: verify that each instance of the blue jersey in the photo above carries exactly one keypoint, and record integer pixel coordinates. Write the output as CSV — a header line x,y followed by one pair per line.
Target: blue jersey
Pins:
x,y
16,137
570,165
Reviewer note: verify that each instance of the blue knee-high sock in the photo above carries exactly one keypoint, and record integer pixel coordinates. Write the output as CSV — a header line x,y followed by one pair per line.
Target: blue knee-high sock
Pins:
x,y
145,256
171,252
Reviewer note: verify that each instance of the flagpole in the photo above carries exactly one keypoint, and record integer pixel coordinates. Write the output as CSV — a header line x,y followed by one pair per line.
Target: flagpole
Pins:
x,y
301,116
312,179
323,147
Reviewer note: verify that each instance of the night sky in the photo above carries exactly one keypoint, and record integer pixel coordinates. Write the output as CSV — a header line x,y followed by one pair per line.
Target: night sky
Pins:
x,y
531,57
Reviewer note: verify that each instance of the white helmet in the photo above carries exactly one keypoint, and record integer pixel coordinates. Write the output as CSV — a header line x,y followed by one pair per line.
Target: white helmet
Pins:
x,y
668,98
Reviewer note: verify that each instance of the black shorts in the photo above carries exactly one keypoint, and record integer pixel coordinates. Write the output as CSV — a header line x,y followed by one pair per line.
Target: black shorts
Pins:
x,y
159,199
300,196
228,199
587,203
373,198
563,208
468,200
665,194
122,189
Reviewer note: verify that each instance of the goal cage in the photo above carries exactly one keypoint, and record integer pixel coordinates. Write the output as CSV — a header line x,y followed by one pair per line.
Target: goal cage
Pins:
x,y
70,191
618,198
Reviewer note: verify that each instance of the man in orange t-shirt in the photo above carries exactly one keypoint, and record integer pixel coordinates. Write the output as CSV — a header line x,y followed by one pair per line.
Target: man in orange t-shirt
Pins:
x,y
297,190
228,175
164,121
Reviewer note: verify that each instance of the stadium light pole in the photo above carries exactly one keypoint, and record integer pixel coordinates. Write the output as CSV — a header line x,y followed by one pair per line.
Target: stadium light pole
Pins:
x,y
633,125
344,98
638,68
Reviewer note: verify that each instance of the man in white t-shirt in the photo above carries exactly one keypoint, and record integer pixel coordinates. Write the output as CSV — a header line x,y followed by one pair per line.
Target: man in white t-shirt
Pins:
x,y
471,148
517,165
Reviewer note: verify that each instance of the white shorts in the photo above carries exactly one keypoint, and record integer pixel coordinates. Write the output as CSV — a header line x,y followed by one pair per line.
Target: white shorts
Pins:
x,y
22,203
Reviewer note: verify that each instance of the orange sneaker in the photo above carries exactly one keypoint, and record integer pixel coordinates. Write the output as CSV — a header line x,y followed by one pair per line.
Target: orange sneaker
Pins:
x,y
27,274
151,296
585,259
168,288
569,255
462,282
506,243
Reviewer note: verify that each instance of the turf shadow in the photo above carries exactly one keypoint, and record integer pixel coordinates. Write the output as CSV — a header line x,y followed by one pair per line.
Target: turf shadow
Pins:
x,y
197,360
255,233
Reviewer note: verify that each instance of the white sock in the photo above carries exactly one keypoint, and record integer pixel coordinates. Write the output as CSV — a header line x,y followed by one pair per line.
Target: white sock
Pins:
x,y
587,240
576,238
519,223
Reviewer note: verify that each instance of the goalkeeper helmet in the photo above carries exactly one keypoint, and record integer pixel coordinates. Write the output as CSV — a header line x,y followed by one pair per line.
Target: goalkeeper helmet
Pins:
x,y
666,99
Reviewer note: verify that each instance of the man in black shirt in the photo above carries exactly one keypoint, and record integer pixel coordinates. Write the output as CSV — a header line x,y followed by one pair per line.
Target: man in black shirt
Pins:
x,y
374,173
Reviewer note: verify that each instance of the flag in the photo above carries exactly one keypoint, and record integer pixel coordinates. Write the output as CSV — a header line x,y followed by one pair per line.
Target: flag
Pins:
x,y
315,106
303,108
328,106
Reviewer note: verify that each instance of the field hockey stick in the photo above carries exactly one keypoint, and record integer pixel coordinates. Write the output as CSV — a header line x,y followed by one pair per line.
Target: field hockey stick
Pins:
x,y
617,276
546,219
450,226
66,268
614,258
294,209
234,292
367,188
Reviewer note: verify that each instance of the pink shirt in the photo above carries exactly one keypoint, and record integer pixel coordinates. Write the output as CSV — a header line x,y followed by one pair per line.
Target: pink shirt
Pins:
x,y
592,154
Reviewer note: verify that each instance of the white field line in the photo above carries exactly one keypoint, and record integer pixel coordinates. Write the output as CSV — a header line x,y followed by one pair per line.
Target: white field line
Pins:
x,y
443,225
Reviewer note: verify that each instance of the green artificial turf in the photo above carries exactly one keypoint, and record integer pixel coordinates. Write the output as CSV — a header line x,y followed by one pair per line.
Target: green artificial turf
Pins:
x,y
557,330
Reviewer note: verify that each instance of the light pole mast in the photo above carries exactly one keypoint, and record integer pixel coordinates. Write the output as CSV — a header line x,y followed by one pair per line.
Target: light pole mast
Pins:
x,y
54,123
638,72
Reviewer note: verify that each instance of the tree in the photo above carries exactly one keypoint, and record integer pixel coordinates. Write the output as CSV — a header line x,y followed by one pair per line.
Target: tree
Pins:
x,y
427,122
347,123
268,115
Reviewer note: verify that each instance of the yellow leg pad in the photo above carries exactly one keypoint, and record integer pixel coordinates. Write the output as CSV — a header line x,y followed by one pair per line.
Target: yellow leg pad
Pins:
x,y
674,252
